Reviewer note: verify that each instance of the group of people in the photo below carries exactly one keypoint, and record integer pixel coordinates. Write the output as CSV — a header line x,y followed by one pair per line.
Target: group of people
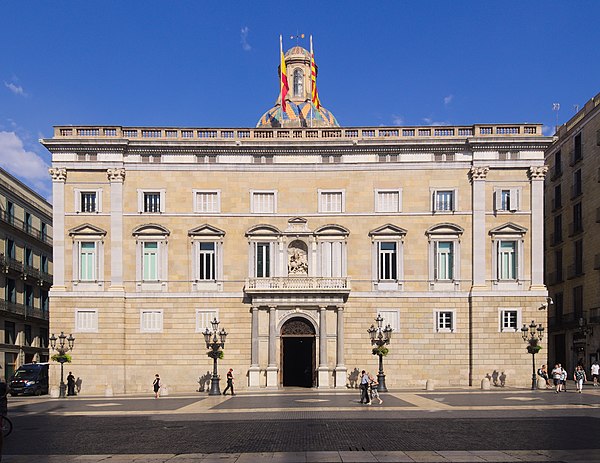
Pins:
x,y
368,388
559,376
156,385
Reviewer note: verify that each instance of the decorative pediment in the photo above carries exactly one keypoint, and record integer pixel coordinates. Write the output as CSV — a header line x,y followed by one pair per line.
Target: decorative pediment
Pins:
x,y
508,228
206,230
297,225
445,229
332,229
263,229
87,229
150,229
387,230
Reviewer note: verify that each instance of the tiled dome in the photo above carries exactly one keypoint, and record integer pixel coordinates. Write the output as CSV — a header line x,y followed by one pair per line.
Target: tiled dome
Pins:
x,y
297,115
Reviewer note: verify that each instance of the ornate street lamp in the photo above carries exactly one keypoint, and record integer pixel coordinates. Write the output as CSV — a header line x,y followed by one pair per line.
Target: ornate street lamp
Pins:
x,y
380,337
62,350
215,341
532,335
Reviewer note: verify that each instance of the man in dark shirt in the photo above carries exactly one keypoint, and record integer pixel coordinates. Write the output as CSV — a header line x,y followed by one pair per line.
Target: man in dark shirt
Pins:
x,y
229,382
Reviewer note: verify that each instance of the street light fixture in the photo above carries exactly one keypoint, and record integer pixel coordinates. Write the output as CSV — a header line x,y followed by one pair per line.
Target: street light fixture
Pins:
x,y
215,341
380,336
62,350
532,335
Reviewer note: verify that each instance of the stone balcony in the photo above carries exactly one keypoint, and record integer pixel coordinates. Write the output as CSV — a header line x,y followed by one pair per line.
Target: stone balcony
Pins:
x,y
279,288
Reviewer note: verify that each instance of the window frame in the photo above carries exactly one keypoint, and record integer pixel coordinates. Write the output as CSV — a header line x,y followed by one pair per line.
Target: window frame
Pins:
x,y
201,235
437,320
502,328
513,192
197,203
445,232
78,192
255,193
79,327
211,313
377,205
434,203
152,233
144,327
141,192
393,319
388,233
321,204
504,233
87,233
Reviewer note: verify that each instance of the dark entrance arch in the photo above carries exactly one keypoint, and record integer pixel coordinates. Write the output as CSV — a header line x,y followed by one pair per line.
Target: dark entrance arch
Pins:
x,y
298,353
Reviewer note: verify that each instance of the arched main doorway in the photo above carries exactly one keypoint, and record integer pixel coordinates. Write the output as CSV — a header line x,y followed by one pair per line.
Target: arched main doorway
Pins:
x,y
298,353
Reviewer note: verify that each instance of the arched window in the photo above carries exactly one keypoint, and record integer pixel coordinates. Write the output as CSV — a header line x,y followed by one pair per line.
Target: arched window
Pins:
x,y
298,82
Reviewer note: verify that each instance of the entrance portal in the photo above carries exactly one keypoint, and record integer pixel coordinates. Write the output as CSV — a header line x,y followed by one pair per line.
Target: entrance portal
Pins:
x,y
298,353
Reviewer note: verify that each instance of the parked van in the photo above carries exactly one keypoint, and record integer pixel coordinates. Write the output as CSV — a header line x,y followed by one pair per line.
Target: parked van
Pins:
x,y
30,378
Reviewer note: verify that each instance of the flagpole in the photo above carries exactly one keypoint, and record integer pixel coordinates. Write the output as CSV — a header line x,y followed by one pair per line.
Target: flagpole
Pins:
x,y
312,90
280,82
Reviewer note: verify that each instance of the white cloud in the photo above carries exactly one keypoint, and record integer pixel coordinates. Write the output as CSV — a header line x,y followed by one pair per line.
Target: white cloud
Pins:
x,y
548,130
397,120
448,99
430,121
16,89
26,165
244,38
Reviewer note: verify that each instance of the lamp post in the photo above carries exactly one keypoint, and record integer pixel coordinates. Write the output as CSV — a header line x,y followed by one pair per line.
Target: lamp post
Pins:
x,y
62,350
380,336
215,341
532,335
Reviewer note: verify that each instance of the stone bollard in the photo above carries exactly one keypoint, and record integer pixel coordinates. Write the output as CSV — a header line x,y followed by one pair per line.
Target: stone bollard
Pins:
x,y
108,391
164,390
429,385
485,384
54,392
541,383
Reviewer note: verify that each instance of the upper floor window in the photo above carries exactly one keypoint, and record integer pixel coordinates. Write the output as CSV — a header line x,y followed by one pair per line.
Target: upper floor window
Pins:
x,y
444,252
388,200
444,200
388,269
28,257
207,201
578,302
263,202
262,259
10,290
10,333
150,261
390,317
298,82
507,199
87,260
557,163
207,252
10,211
28,224
578,257
577,152
577,185
331,251
44,264
262,251
151,256
88,201
44,301
507,259
577,218
11,250
388,258
331,201
557,196
151,201
444,260
510,320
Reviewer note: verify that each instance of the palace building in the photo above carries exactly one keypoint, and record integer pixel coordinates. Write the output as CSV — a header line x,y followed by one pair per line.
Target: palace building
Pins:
x,y
296,235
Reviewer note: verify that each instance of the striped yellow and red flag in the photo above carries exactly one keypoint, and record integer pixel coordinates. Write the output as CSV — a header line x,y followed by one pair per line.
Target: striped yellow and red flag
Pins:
x,y
313,77
284,87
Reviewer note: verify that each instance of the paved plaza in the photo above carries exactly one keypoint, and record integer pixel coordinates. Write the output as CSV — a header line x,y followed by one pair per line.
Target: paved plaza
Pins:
x,y
459,425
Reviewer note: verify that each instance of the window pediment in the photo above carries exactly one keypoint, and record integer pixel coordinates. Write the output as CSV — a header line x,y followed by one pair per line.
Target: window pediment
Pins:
x,y
87,229
150,229
206,230
262,230
388,230
508,228
332,229
444,229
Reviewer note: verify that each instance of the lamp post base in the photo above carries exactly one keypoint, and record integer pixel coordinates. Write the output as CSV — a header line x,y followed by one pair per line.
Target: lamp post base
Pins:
x,y
381,380
214,386
62,390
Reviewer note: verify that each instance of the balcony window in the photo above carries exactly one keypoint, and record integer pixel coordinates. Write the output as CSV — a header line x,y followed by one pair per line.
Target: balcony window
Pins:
x,y
27,223
10,290
507,199
28,335
262,260
29,296
11,250
10,333
507,258
557,196
577,152
87,261
444,260
150,261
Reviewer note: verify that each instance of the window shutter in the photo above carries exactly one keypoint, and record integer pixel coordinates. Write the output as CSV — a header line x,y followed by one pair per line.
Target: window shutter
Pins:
x,y
498,200
435,260
514,200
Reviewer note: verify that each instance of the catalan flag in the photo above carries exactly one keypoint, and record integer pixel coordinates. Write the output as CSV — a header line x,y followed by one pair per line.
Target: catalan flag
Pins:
x,y
284,87
313,78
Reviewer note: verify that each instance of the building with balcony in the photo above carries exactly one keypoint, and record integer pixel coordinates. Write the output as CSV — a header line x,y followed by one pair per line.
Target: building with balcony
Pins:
x,y
25,273
296,235
573,239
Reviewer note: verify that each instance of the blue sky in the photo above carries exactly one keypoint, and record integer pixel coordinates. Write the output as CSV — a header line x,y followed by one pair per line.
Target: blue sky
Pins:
x,y
214,64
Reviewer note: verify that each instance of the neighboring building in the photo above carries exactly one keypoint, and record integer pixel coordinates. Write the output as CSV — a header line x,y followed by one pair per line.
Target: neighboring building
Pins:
x,y
25,273
296,234
573,239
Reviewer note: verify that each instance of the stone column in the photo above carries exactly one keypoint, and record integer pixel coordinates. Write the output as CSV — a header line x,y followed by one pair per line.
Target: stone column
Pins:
x,y
340,367
323,370
536,176
59,177
254,372
478,176
116,177
272,369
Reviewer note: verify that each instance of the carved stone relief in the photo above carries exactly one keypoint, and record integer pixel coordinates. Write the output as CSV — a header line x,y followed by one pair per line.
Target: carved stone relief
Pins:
x,y
297,258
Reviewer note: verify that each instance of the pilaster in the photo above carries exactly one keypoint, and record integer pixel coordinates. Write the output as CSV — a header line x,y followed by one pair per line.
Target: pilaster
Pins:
x,y
116,177
340,367
272,369
323,370
254,371
478,176
536,176
59,177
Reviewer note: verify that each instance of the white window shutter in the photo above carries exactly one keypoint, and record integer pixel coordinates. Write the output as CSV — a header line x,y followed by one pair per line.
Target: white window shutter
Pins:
x,y
498,200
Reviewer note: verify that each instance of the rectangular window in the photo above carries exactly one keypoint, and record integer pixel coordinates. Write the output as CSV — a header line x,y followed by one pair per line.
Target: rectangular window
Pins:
x,y
577,186
204,317
29,296
28,257
558,307
44,264
445,321
10,333
10,211
578,302
87,261
11,250
387,201
557,163
557,229
88,201
557,197
263,202
27,222
577,153
558,261
577,218
262,260
86,320
207,260
150,261
444,260
151,321
578,257
44,301
331,201
507,260
509,320
332,259
390,317
443,200
44,337
28,335
207,201
152,202
44,231
388,258
10,290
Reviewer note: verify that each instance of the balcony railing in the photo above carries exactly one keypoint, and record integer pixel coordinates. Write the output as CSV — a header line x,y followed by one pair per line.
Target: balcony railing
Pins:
x,y
24,226
285,284
23,310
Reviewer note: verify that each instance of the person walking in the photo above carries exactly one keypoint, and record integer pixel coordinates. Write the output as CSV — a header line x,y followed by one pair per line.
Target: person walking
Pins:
x,y
374,393
579,378
229,382
156,386
364,388
556,373
70,384
595,371
563,378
